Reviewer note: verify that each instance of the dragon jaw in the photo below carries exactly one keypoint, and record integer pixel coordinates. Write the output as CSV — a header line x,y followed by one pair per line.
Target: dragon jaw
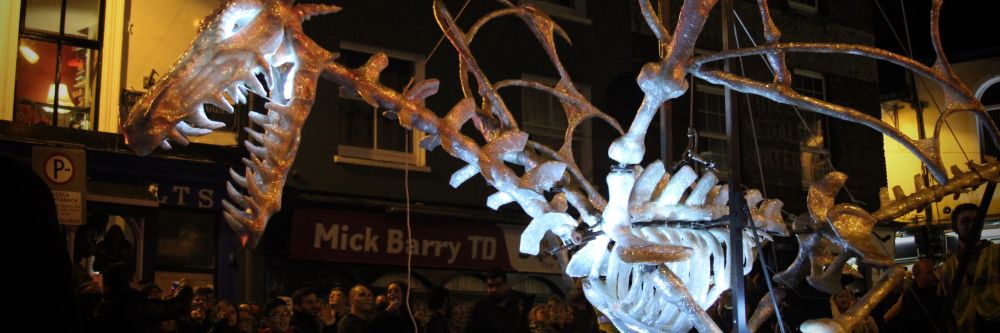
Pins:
x,y
244,39
220,67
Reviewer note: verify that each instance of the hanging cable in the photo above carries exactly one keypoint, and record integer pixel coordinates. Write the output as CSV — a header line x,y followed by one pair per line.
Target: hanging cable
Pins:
x,y
753,125
906,30
798,113
438,44
909,53
763,263
409,236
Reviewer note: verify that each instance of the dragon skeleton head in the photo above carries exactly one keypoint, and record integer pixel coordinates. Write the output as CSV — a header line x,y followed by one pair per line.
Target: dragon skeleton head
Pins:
x,y
243,42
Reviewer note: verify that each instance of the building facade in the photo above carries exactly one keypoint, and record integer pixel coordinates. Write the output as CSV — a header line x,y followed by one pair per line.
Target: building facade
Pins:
x,y
360,183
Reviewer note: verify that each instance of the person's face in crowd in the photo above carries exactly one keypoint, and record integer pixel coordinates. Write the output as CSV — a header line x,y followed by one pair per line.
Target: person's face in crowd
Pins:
x,y
279,319
538,314
924,275
337,298
288,301
380,299
246,321
361,298
844,300
457,311
566,315
156,293
197,314
496,287
227,312
168,326
967,230
310,304
198,302
394,293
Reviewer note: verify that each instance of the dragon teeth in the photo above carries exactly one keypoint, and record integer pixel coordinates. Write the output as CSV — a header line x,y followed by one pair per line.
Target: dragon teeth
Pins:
x,y
189,130
178,137
254,85
238,178
165,145
257,118
220,101
198,118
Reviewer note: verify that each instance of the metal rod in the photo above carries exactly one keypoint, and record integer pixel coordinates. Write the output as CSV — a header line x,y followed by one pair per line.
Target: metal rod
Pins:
x,y
735,183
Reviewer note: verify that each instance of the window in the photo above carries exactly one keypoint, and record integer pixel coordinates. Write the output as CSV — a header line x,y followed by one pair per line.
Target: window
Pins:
x,y
809,6
366,136
710,121
989,94
61,62
57,65
813,145
544,119
571,10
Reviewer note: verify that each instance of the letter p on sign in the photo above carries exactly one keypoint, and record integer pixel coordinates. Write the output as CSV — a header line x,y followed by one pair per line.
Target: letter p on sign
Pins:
x,y
59,169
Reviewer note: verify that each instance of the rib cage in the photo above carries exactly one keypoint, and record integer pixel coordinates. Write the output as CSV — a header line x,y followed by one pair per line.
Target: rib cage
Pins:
x,y
636,301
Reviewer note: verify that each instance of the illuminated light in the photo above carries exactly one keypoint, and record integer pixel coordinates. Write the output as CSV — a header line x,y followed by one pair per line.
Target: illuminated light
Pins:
x,y
64,99
28,54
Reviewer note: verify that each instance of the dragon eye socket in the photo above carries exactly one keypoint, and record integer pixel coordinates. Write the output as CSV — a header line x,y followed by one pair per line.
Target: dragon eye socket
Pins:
x,y
235,20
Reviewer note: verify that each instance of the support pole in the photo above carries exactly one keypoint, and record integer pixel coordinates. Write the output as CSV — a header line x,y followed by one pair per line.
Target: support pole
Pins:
x,y
666,109
735,183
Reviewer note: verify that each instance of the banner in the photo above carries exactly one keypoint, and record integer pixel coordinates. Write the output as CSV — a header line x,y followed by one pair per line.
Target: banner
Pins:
x,y
368,238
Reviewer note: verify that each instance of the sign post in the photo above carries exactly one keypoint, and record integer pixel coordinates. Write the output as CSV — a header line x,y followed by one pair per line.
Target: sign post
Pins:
x,y
65,171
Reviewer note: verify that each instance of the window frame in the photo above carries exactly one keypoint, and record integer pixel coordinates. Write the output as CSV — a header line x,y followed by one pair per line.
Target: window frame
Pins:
x,y
416,159
703,133
985,143
801,6
583,136
824,151
106,97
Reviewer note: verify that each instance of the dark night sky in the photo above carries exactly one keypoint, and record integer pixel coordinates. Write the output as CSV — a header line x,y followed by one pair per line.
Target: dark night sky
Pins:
x,y
968,32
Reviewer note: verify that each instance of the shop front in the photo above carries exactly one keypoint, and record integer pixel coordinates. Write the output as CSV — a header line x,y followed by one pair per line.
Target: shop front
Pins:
x,y
340,247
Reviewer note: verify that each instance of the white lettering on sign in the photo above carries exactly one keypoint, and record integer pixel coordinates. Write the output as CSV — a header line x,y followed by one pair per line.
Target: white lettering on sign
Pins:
x,y
205,198
342,238
483,247
69,207
183,195
423,247
59,169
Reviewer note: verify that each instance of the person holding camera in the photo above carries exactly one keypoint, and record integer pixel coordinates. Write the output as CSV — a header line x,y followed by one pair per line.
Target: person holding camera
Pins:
x,y
125,309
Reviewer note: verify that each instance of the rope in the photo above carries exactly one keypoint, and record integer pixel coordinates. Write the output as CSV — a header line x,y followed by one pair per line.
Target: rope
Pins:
x,y
409,238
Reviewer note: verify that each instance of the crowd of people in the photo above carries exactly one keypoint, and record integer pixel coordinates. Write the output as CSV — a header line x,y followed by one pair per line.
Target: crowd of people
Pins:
x,y
122,306
960,294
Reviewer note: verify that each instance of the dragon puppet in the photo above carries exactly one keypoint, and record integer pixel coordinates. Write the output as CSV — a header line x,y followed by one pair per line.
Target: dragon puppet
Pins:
x,y
638,250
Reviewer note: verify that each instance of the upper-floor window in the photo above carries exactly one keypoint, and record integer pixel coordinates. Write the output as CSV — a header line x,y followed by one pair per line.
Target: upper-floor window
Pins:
x,y
366,136
809,6
58,59
544,118
813,146
989,95
710,121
